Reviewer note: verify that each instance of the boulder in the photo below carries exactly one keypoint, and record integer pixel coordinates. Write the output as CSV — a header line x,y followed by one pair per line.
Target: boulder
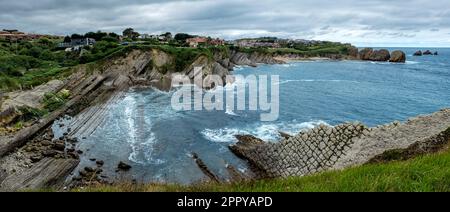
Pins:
x,y
380,55
398,57
427,52
436,53
364,54
100,163
123,166
353,51
418,53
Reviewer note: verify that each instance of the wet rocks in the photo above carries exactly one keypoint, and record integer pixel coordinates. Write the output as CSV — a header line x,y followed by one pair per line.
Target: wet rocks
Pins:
x,y
59,145
36,158
427,52
418,53
398,57
123,166
50,153
100,163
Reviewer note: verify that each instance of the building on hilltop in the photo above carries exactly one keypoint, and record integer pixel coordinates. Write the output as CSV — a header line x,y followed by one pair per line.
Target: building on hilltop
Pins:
x,y
204,41
197,41
77,44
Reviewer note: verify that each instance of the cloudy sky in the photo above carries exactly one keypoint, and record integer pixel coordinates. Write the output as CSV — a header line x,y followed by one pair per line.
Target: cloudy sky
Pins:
x,y
363,23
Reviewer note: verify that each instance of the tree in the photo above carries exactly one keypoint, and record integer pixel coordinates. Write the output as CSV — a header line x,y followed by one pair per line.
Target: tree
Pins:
x,y
67,39
167,35
114,35
76,36
183,36
130,33
99,35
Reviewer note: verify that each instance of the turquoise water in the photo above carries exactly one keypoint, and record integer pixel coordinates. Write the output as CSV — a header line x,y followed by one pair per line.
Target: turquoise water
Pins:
x,y
143,130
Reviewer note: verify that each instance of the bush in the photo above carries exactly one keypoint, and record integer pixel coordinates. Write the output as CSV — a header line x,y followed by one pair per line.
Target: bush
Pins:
x,y
54,101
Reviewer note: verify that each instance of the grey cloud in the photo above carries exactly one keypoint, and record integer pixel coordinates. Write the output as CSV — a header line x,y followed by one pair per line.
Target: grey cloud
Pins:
x,y
348,21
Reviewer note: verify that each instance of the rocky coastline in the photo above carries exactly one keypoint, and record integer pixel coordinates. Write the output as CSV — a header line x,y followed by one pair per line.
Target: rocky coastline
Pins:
x,y
27,153
351,144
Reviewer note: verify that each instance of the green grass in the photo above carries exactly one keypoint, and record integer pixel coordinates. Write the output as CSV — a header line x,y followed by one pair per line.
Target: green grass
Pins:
x,y
430,173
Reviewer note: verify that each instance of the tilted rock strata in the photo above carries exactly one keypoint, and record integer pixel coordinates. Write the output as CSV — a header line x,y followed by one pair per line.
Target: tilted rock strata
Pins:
x,y
327,148
306,153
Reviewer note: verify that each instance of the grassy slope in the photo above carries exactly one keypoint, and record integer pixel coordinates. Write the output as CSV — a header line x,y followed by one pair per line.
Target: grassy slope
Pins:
x,y
424,174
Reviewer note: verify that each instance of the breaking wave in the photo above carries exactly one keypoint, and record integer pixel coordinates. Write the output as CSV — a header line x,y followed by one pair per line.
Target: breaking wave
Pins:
x,y
267,132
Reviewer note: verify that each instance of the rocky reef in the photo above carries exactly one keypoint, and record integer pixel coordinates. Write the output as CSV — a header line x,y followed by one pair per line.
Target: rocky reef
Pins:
x,y
351,144
382,55
427,52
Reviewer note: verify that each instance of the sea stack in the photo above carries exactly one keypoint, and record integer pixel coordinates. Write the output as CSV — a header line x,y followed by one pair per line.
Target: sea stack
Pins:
x,y
398,57
380,55
418,53
427,52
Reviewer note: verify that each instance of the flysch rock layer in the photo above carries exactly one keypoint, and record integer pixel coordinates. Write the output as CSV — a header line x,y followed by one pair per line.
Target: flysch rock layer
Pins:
x,y
327,148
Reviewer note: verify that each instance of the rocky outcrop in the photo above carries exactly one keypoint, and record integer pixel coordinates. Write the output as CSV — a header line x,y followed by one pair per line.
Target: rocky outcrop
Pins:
x,y
398,57
326,148
380,55
9,109
306,153
353,52
241,59
427,52
253,59
418,53
365,53
48,173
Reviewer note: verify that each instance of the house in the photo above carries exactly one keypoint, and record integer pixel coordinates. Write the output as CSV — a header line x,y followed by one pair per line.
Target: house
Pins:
x,y
255,43
217,42
77,44
197,41
146,36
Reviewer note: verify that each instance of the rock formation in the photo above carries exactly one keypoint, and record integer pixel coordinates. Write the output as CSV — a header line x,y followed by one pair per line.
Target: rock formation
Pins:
x,y
398,57
418,53
365,53
427,52
346,145
380,55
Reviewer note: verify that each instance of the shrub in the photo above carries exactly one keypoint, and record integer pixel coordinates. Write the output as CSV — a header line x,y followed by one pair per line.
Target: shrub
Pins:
x,y
54,101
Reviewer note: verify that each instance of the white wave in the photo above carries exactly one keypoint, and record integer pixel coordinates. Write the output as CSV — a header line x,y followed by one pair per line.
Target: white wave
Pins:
x,y
412,62
230,112
239,68
313,80
140,143
267,132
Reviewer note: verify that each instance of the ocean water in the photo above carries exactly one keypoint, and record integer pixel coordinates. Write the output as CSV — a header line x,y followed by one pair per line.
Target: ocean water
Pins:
x,y
143,130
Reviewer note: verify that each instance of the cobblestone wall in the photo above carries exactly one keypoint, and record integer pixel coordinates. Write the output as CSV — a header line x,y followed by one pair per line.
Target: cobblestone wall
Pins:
x,y
306,153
